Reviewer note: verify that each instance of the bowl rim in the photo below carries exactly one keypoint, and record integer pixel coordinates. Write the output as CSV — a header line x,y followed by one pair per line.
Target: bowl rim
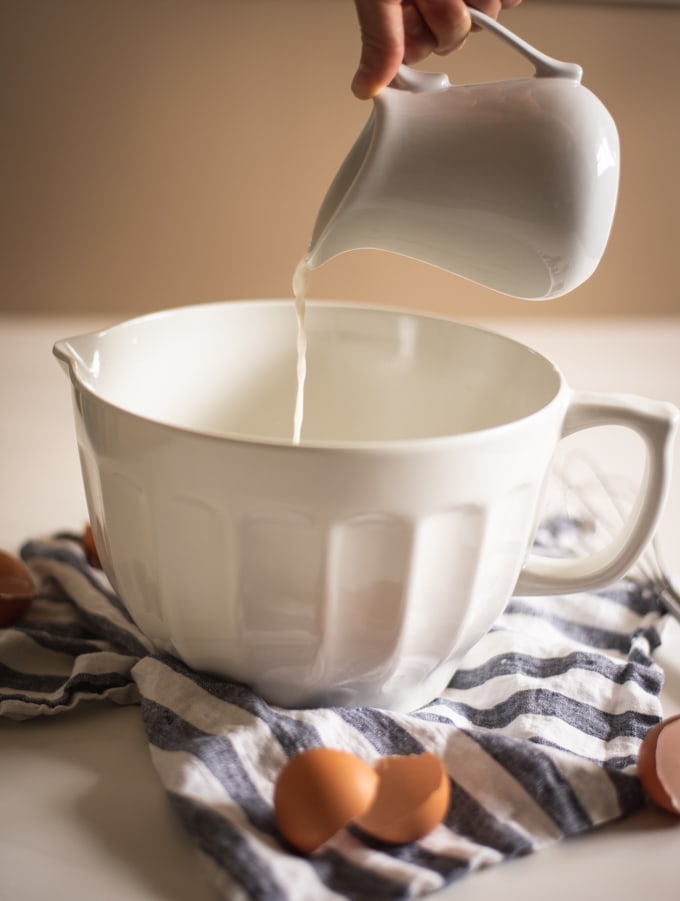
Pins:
x,y
63,350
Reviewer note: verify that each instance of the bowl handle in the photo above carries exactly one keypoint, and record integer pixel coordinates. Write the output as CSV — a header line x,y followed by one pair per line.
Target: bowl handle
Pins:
x,y
656,423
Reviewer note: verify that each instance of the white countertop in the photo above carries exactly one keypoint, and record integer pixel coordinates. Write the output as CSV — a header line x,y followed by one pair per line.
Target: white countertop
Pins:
x,y
82,813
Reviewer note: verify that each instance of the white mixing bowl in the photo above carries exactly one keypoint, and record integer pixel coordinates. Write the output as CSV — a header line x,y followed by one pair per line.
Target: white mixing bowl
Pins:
x,y
359,566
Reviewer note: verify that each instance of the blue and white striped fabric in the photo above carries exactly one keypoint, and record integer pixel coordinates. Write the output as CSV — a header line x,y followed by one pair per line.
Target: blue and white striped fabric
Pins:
x,y
539,731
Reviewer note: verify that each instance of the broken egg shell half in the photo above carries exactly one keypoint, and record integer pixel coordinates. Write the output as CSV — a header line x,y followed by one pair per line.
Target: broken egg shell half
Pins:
x,y
412,799
90,547
321,791
16,589
659,764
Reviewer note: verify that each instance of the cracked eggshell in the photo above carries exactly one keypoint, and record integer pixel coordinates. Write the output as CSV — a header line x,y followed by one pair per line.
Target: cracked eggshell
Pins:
x,y
16,589
319,792
659,764
412,799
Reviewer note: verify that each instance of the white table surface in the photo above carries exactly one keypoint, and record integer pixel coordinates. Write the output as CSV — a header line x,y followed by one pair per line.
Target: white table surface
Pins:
x,y
82,813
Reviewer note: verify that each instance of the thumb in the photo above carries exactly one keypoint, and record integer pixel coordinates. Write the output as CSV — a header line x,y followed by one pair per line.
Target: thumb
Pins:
x,y
382,45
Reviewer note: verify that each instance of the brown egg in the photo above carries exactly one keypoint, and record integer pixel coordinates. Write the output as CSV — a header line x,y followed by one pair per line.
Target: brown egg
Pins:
x,y
319,792
413,798
90,547
659,764
16,589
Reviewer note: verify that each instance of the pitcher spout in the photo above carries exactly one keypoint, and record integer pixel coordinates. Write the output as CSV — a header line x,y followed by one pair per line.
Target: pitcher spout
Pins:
x,y
343,224
327,240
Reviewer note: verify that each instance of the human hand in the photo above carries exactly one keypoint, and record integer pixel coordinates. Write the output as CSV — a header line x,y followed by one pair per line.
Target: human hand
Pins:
x,y
406,31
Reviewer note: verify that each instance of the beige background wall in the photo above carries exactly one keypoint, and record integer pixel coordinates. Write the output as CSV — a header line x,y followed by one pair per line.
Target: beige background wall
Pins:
x,y
170,151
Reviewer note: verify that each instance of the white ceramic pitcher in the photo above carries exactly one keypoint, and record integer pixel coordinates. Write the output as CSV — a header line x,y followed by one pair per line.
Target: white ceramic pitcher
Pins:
x,y
510,184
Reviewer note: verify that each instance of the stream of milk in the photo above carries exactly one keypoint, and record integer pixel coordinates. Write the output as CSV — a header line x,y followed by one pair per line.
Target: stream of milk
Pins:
x,y
300,279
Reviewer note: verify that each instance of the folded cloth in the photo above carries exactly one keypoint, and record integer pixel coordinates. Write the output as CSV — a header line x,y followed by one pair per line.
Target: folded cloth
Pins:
x,y
539,731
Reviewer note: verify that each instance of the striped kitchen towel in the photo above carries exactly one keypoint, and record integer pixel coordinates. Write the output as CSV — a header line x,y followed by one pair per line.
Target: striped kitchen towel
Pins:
x,y
539,731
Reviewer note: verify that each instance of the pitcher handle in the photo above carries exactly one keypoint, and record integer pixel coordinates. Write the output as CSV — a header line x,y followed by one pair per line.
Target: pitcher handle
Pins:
x,y
656,422
545,66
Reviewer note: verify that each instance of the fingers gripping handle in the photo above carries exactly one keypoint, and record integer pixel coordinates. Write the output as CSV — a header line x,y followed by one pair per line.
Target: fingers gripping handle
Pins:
x,y
656,423
545,66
